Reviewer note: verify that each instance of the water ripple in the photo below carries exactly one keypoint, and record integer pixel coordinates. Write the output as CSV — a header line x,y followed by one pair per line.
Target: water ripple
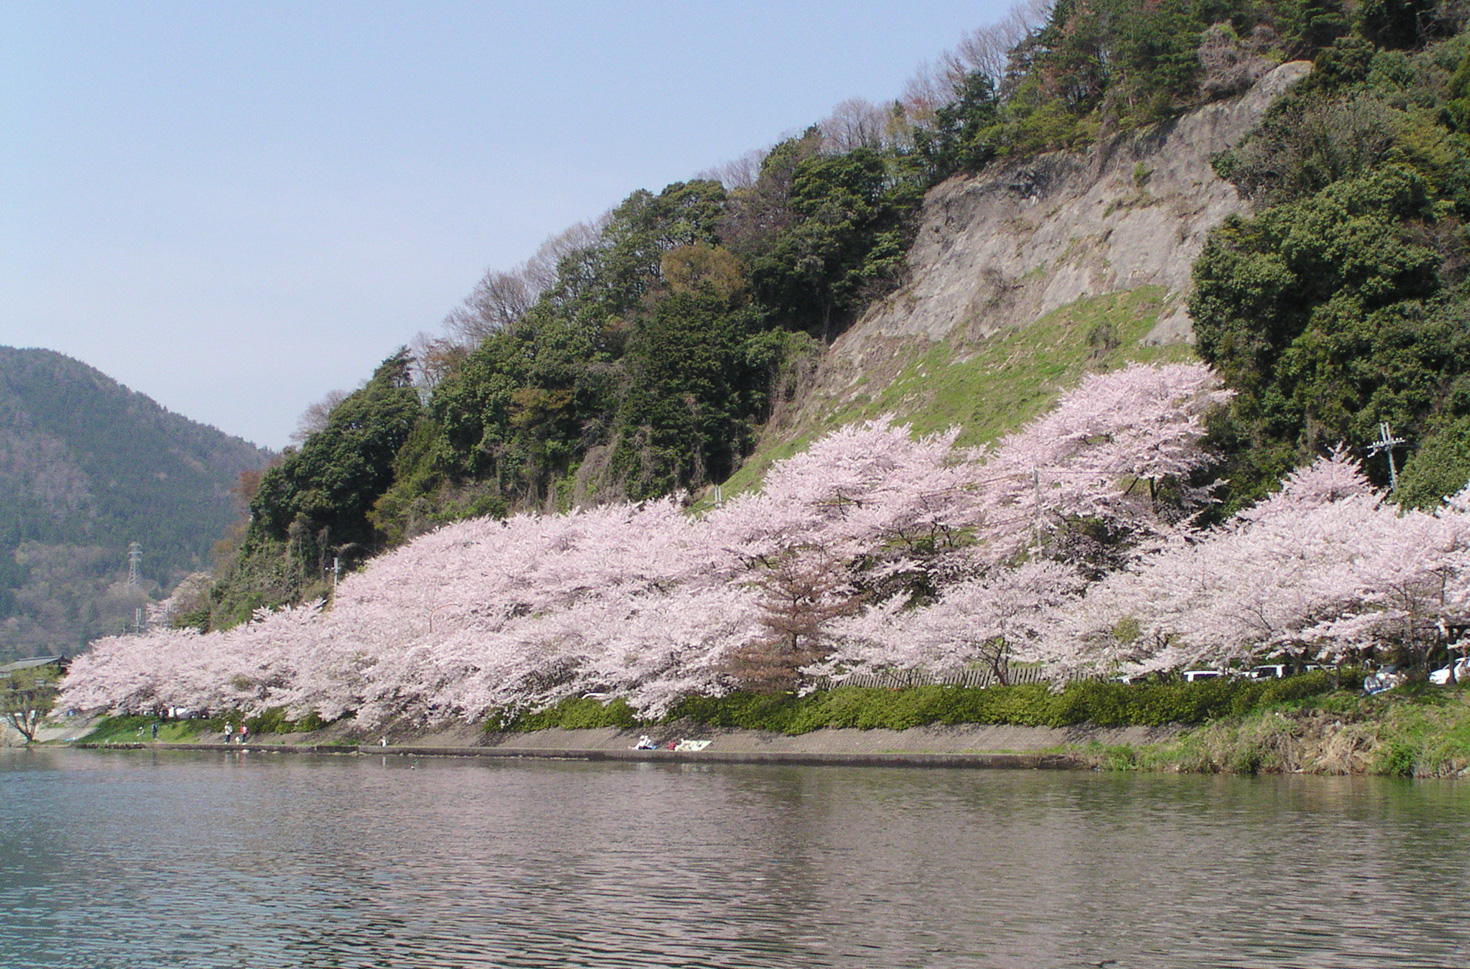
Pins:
x,y
225,860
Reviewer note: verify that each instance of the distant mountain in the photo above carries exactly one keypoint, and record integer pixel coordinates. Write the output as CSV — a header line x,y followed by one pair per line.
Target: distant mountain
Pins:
x,y
87,467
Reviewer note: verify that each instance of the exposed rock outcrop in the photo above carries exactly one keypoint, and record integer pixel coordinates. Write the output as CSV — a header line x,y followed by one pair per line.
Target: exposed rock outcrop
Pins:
x,y
1000,250
1006,247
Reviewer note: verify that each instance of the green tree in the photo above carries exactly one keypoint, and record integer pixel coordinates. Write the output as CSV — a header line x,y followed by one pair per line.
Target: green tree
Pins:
x,y
965,132
325,489
27,696
757,213
1439,467
1397,24
1312,25
850,227
686,416
1154,63
1327,315
1457,104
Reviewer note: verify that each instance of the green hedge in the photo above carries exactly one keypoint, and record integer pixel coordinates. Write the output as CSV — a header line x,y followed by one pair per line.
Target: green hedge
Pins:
x,y
274,720
574,713
1103,704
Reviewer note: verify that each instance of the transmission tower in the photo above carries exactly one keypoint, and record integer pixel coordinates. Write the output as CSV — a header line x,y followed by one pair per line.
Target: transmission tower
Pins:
x,y
135,557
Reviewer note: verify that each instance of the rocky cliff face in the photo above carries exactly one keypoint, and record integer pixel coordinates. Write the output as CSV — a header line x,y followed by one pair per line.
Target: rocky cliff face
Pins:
x,y
1100,242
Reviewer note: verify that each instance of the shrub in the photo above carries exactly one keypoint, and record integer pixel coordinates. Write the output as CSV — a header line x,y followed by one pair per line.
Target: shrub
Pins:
x,y
573,713
1102,704
1099,703
274,720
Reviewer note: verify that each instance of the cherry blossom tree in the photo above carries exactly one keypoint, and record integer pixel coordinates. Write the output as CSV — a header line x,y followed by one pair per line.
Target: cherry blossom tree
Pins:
x,y
985,621
956,554
1105,454
1322,570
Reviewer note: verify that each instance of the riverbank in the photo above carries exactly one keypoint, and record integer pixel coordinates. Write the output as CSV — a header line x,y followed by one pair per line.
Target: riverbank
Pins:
x,y
1414,731
970,745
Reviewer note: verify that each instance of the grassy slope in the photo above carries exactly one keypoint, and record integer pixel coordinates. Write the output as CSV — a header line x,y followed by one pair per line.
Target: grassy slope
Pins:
x,y
138,729
1301,724
996,387
1414,731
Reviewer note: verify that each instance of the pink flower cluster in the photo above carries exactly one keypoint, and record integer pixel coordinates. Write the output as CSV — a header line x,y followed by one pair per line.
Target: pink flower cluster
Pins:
x,y
923,556
1323,570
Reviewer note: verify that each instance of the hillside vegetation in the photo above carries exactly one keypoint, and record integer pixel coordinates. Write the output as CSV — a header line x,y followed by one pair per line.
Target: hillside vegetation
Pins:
x,y
658,348
1070,550
1343,301
86,468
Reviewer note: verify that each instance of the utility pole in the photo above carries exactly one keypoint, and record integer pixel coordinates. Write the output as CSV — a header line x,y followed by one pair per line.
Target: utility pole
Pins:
x,y
1386,443
135,557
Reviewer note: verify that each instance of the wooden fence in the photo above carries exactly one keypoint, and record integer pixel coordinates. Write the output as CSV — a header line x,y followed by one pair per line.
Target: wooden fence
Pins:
x,y
897,679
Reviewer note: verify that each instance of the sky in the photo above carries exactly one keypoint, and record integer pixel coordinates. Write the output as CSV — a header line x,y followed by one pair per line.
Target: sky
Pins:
x,y
237,207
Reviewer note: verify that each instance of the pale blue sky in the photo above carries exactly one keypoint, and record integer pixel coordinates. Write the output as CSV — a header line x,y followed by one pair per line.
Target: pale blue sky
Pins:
x,y
237,207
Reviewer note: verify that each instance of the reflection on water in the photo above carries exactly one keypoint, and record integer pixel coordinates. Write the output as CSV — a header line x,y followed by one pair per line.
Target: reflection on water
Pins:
x,y
251,860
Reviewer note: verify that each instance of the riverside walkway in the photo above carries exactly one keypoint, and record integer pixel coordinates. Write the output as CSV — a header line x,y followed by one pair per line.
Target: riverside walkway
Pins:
x,y
973,746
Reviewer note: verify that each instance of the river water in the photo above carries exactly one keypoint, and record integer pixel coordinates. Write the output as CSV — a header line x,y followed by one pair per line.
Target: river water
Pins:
x,y
198,859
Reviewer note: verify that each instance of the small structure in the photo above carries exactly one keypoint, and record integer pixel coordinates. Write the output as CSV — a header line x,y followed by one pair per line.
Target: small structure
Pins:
x,y
61,661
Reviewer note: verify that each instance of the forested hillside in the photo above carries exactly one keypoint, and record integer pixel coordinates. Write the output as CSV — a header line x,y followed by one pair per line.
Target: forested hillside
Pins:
x,y
86,468
1343,301
656,348
1279,189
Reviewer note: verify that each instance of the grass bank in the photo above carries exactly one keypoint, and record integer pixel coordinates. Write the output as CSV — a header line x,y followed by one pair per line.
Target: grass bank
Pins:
x,y
1314,723
1414,731
139,729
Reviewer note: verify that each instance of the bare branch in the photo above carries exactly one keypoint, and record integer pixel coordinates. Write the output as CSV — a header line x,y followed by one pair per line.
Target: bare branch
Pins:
x,y
314,418
738,173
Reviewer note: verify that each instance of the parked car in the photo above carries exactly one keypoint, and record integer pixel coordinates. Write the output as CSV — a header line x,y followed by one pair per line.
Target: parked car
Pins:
x,y
1460,670
1270,671
1191,675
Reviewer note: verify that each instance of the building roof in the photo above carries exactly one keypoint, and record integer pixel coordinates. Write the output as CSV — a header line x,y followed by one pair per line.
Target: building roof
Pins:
x,y
29,664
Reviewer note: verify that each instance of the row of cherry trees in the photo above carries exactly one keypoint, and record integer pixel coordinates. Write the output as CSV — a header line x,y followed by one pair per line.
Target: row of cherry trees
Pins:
x,y
1322,570
1071,542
